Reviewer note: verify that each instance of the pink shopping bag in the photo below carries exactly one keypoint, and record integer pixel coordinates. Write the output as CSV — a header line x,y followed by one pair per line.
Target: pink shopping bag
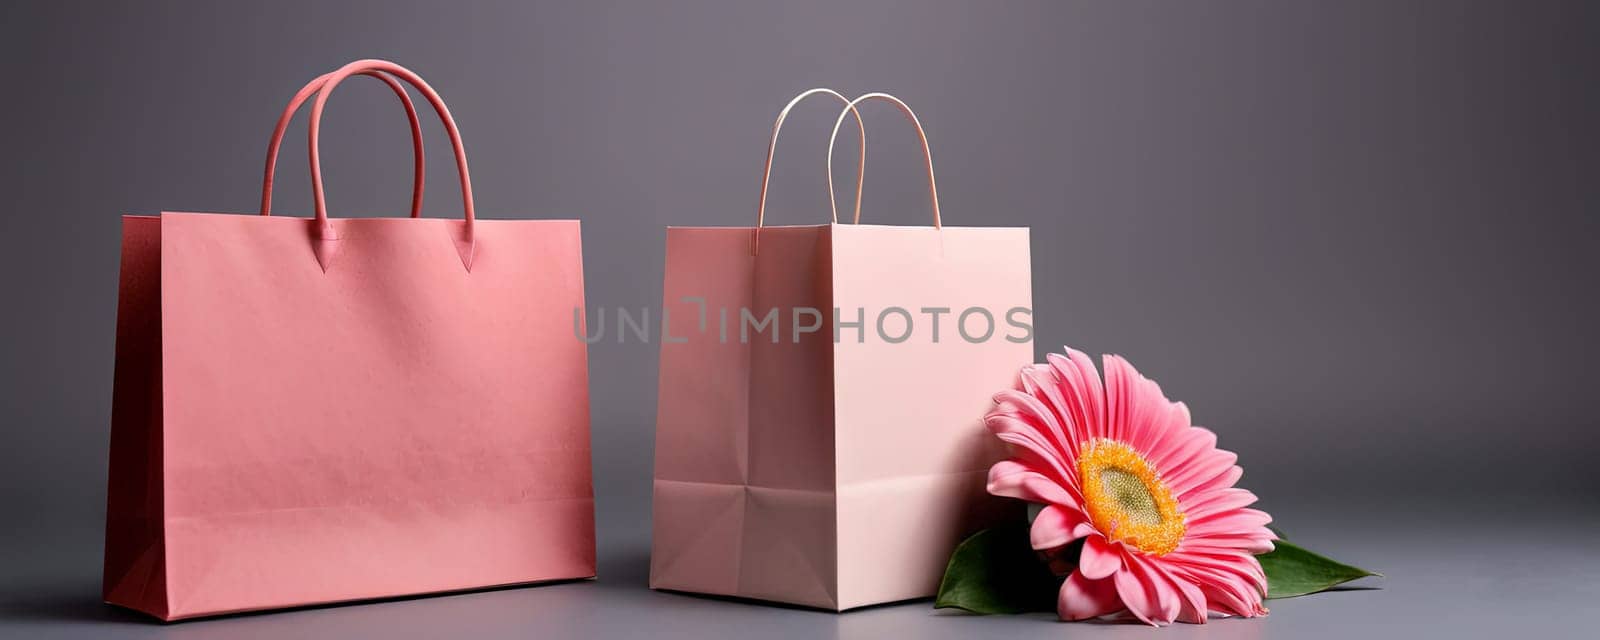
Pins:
x,y
835,456
316,410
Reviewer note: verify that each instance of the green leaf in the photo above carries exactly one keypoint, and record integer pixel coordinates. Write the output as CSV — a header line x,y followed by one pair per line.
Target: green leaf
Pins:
x,y
996,571
1293,571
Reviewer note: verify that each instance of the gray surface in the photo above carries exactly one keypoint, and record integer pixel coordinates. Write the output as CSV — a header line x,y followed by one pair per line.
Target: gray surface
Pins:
x,y
1489,570
1357,238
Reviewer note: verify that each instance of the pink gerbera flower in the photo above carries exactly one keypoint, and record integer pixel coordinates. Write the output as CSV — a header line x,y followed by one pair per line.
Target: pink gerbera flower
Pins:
x,y
1166,535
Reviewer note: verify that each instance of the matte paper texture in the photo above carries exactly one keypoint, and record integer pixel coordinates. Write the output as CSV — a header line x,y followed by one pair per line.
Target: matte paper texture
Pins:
x,y
284,435
823,473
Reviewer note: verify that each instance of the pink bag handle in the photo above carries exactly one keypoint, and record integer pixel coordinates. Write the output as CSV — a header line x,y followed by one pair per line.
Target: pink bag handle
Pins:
x,y
419,173
327,236
927,155
772,146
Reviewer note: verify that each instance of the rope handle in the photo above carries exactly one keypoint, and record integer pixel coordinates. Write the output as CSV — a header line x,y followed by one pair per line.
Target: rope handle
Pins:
x,y
419,173
922,135
772,146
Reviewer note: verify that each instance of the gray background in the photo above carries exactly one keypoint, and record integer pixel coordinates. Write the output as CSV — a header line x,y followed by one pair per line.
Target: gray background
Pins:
x,y
1355,237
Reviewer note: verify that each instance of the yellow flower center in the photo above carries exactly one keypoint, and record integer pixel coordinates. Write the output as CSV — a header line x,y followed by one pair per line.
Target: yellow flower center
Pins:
x,y
1127,500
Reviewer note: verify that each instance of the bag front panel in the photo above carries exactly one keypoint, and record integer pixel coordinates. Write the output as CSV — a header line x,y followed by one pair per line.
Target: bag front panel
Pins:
x,y
912,385
392,425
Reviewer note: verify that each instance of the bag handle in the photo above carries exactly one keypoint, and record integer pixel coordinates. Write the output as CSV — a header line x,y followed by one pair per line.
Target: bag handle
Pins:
x,y
327,237
772,146
927,155
419,173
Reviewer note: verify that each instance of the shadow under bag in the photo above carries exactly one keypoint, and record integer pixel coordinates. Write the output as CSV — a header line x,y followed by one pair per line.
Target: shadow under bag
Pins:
x,y
314,410
834,457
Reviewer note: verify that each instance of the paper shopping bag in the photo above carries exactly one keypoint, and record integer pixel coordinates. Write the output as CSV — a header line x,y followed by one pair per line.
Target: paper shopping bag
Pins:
x,y
819,435
314,410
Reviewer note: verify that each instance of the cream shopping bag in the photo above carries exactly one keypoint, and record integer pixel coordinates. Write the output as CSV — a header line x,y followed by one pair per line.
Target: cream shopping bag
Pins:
x,y
819,436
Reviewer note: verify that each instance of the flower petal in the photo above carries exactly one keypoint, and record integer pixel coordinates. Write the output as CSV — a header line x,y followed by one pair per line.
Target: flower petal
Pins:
x,y
1020,414
1177,452
1031,449
1229,562
1074,396
1077,370
1203,505
1251,544
1177,426
1203,467
1221,596
1054,526
1137,596
1036,417
1235,521
1192,601
1119,395
1083,530
1100,558
1082,599
1013,479
1224,480
1228,592
1041,381
1164,594
1148,411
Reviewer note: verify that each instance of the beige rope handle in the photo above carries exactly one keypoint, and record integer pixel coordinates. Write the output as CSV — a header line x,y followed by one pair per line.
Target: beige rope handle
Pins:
x,y
772,147
927,155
